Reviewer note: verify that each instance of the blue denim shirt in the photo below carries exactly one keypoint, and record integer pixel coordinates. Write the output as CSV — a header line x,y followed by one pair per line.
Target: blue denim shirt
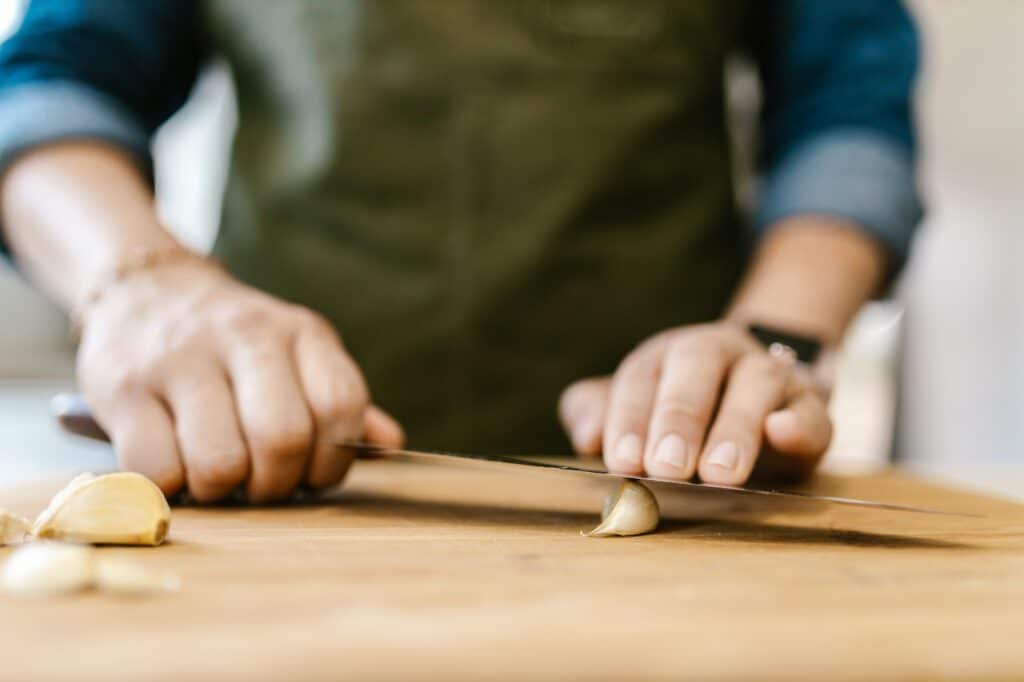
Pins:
x,y
836,131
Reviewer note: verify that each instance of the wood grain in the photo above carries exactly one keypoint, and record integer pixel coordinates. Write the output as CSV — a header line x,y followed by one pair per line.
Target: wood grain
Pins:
x,y
451,573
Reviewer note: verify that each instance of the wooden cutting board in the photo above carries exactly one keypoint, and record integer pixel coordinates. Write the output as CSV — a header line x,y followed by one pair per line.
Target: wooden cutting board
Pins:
x,y
418,571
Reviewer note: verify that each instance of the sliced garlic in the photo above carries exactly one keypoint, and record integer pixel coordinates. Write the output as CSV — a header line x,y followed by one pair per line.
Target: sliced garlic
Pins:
x,y
13,528
631,510
122,576
48,568
121,509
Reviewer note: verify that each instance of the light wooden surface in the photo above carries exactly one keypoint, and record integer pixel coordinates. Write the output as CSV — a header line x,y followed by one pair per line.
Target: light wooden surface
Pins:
x,y
450,573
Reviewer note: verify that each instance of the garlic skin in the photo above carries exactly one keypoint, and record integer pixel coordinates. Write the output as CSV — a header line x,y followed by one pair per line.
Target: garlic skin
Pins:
x,y
631,510
13,528
47,568
121,576
124,508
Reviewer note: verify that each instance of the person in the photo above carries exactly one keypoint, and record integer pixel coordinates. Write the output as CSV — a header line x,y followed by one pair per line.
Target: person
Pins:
x,y
466,207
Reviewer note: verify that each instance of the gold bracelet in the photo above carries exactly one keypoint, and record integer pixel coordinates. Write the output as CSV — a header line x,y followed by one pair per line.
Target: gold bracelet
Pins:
x,y
134,263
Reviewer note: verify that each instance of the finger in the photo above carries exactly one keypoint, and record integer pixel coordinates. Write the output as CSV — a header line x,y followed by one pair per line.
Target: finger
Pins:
x,y
337,396
801,429
691,383
380,428
275,419
629,410
142,433
582,410
756,387
209,437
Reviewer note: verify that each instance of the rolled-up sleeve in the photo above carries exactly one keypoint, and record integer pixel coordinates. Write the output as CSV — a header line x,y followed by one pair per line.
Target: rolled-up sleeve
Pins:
x,y
108,70
837,128
38,113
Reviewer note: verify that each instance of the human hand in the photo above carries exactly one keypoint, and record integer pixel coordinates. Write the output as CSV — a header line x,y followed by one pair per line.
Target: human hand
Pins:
x,y
201,380
705,399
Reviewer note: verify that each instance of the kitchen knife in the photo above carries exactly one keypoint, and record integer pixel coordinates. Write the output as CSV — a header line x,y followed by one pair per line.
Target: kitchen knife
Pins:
x,y
73,414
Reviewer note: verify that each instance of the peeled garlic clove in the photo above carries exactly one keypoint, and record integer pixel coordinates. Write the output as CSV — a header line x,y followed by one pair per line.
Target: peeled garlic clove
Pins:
x,y
46,568
631,510
119,509
13,528
122,576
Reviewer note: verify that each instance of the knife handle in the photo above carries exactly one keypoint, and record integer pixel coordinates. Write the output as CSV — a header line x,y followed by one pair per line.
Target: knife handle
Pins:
x,y
74,416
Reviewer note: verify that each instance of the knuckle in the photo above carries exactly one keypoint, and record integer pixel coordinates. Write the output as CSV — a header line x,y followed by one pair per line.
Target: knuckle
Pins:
x,y
246,319
629,415
702,345
740,420
286,442
634,366
254,352
343,402
169,482
326,476
165,473
764,366
221,471
127,381
314,320
195,383
630,363
181,338
677,411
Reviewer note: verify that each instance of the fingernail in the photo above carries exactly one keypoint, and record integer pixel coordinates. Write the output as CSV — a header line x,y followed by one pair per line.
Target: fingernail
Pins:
x,y
585,433
628,451
671,452
725,455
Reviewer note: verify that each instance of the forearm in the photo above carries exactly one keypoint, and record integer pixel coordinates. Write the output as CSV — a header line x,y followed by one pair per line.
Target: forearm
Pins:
x,y
810,275
72,211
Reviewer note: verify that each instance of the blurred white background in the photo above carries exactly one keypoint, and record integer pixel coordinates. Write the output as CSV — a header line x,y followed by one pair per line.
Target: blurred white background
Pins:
x,y
956,346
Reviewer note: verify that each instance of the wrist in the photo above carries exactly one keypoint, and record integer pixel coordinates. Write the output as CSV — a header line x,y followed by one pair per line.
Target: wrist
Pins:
x,y
809,277
132,266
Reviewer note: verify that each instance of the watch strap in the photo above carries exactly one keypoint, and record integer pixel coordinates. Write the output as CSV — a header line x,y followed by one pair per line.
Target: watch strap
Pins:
x,y
806,348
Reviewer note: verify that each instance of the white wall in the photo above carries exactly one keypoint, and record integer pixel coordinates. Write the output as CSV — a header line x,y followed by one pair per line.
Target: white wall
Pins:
x,y
963,407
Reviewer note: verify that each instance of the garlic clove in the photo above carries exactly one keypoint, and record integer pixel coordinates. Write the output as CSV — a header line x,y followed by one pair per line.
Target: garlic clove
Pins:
x,y
13,528
48,568
123,509
122,576
631,510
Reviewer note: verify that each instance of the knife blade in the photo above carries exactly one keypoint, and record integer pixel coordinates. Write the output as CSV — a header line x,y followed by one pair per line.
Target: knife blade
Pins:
x,y
73,414
503,462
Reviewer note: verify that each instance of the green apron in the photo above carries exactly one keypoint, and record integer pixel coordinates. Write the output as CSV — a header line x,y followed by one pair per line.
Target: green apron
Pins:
x,y
489,198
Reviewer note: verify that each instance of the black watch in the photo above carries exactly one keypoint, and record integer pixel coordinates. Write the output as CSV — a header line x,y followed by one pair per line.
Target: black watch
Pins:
x,y
806,348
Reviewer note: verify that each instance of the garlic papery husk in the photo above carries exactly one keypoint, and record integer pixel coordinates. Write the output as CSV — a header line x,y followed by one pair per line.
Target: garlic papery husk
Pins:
x,y
41,569
120,509
631,510
13,528
122,576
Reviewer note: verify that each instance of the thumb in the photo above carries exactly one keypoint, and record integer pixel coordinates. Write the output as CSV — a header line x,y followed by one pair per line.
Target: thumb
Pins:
x,y
582,409
380,428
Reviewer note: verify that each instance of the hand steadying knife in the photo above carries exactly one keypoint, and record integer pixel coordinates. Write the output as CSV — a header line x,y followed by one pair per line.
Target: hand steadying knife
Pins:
x,y
73,414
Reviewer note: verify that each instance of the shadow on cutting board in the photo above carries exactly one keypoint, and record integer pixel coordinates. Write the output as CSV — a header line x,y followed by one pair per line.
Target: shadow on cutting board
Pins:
x,y
748,531
390,507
